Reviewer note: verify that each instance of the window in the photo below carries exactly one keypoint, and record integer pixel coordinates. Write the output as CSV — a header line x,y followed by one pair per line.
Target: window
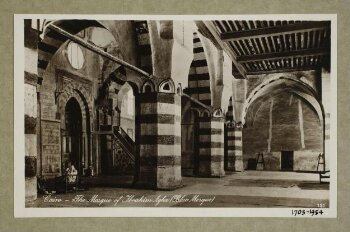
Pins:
x,y
148,89
75,55
166,87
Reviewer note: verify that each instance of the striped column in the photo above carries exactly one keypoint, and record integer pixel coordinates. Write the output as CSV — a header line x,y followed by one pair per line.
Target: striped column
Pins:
x,y
30,111
160,141
211,146
30,121
199,79
234,148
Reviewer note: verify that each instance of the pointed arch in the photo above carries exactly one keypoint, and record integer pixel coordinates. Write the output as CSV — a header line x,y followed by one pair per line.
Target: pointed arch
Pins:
x,y
205,113
278,83
148,87
218,113
179,89
167,86
83,97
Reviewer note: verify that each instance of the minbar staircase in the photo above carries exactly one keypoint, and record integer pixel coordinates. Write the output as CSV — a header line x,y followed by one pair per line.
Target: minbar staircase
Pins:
x,y
125,142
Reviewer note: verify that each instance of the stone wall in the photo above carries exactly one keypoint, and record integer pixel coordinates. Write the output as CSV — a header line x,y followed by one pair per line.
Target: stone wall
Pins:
x,y
59,75
283,122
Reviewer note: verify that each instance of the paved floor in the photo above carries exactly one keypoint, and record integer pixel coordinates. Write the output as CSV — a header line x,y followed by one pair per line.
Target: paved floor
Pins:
x,y
247,189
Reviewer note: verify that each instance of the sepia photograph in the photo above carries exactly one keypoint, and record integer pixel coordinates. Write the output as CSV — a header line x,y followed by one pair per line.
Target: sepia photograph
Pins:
x,y
131,115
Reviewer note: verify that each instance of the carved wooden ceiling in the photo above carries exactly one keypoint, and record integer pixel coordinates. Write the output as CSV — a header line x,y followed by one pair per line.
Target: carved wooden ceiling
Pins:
x,y
260,47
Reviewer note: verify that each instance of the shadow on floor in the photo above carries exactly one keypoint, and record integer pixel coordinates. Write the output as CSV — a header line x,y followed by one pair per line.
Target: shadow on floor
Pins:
x,y
314,186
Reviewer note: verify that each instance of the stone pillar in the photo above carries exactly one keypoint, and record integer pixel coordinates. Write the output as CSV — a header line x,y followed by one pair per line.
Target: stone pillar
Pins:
x,y
97,156
30,121
230,129
234,148
211,146
30,110
90,150
160,141
85,150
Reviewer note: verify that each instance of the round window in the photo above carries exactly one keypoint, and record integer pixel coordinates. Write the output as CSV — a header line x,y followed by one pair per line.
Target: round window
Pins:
x,y
75,55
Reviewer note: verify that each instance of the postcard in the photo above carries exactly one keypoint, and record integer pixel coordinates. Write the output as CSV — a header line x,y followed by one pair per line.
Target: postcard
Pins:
x,y
175,116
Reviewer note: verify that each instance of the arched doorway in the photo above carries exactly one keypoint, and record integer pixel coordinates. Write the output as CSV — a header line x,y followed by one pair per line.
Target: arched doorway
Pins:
x,y
73,123
76,137
190,143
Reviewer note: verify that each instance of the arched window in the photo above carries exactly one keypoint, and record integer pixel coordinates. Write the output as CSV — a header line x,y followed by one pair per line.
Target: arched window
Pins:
x,y
179,89
205,114
148,87
218,113
167,87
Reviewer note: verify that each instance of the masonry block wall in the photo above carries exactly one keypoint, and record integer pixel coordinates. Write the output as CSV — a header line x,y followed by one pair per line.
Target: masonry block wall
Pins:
x,y
143,45
283,122
61,82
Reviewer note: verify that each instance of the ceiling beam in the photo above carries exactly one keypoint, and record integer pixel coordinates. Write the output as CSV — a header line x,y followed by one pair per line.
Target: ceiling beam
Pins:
x,y
278,30
277,55
209,30
284,70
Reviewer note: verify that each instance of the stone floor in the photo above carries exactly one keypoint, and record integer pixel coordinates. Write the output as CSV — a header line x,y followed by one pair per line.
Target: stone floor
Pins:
x,y
247,189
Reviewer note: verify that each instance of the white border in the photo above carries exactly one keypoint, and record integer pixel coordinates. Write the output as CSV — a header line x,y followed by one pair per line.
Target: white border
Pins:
x,y
19,183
